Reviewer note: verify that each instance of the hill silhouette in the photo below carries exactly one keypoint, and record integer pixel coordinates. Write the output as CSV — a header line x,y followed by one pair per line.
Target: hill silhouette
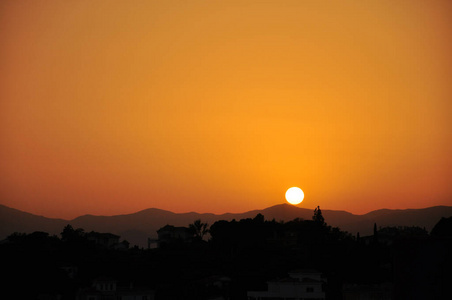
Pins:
x,y
137,227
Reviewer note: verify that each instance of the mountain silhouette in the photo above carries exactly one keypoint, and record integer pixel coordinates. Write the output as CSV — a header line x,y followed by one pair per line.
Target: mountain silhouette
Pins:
x,y
138,227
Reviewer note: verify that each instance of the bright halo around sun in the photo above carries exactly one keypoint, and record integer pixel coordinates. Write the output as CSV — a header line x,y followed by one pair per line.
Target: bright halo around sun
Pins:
x,y
294,195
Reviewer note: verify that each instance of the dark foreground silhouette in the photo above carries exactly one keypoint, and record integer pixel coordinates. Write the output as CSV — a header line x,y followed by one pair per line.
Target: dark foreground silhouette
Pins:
x,y
244,259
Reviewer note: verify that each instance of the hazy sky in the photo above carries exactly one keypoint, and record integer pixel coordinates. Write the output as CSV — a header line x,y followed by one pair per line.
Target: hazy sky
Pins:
x,y
110,107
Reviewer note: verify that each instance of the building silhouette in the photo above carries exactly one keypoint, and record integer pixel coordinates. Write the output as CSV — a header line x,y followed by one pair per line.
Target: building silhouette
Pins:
x,y
301,284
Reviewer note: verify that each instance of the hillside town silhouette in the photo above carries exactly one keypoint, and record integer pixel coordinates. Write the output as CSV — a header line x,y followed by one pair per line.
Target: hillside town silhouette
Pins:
x,y
251,258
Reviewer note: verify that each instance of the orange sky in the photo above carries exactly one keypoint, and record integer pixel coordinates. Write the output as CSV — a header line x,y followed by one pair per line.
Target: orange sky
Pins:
x,y
110,107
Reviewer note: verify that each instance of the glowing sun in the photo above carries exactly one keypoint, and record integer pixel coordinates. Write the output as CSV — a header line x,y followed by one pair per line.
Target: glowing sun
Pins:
x,y
294,195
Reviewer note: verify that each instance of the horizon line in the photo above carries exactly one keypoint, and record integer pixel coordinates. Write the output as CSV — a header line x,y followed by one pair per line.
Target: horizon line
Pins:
x,y
220,214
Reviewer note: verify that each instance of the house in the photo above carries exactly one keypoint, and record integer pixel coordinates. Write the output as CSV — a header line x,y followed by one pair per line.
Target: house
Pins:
x,y
214,287
170,234
300,285
107,240
104,288
124,245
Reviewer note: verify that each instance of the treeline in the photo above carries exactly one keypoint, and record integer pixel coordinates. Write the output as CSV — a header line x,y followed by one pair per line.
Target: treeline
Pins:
x,y
70,237
249,252
258,233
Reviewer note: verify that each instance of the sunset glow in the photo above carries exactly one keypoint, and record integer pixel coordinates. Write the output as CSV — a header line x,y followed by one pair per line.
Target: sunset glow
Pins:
x,y
110,107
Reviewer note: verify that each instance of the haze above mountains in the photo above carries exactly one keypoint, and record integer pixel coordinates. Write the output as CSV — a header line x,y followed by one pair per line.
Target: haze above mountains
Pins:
x,y
138,227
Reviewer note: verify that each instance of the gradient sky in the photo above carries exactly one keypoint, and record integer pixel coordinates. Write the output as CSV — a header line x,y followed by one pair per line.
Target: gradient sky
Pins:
x,y
110,107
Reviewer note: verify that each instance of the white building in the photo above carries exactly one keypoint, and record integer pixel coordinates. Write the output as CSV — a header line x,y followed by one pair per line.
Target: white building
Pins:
x,y
169,234
300,285
107,289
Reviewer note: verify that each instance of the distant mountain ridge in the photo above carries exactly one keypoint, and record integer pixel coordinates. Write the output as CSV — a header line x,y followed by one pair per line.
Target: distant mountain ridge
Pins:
x,y
137,227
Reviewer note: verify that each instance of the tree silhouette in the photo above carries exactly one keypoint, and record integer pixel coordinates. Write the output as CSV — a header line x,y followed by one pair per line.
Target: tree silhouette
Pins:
x,y
317,217
259,218
199,229
71,234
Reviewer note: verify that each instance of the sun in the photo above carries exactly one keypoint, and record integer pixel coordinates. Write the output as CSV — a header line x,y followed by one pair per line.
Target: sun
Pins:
x,y
294,195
